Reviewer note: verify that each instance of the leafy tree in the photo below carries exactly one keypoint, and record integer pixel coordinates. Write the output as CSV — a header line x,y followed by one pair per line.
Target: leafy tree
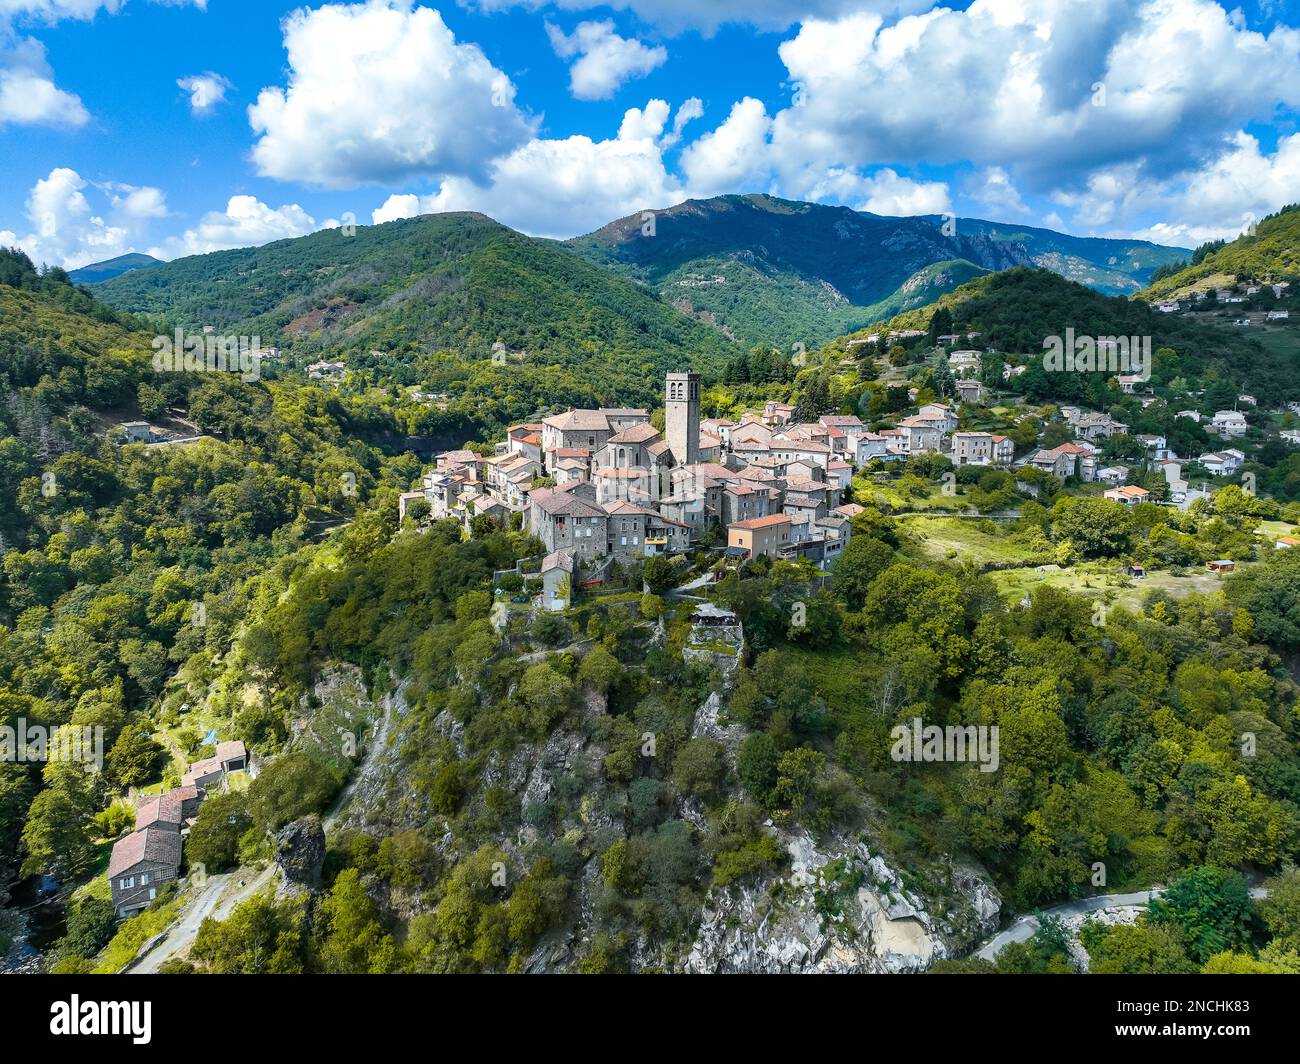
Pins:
x,y
599,670
1140,950
213,841
136,758
91,923
264,935
699,768
1209,907
756,765
291,786
659,574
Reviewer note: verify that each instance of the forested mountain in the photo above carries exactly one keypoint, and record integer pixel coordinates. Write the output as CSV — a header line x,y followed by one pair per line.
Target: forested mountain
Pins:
x,y
107,550
1015,310
747,269
780,271
459,283
1112,266
102,271
1270,253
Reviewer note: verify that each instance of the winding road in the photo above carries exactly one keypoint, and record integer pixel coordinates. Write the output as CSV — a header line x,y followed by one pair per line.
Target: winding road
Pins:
x,y
1025,926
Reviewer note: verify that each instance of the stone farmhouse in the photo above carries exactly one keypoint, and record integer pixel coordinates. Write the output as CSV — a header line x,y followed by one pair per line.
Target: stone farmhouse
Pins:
x,y
142,862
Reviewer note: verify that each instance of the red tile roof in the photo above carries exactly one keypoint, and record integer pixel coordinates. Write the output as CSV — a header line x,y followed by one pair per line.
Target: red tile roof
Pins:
x,y
761,522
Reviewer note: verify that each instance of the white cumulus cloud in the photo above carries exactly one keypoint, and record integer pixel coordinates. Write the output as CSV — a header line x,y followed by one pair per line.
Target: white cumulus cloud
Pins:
x,y
206,90
382,92
735,157
28,95
562,187
1051,90
66,230
677,16
603,61
246,222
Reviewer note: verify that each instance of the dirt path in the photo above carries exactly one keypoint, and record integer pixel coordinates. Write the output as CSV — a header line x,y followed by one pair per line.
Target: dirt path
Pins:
x,y
222,893
218,898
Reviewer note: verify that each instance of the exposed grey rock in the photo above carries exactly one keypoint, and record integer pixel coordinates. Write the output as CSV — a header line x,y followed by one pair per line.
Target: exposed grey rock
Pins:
x,y
707,725
841,909
300,851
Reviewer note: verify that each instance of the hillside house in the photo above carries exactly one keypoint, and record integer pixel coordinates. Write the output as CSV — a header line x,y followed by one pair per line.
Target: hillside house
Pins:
x,y
1222,463
1229,423
137,431
211,772
570,519
173,810
139,865
760,535
1098,427
557,580
982,449
1129,495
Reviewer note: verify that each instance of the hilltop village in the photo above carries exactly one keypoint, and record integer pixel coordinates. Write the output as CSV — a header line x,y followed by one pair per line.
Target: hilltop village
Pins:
x,y
606,484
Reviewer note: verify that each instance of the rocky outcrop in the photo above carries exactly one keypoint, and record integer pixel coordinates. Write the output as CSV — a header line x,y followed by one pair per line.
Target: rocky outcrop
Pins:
x,y
708,725
842,909
300,851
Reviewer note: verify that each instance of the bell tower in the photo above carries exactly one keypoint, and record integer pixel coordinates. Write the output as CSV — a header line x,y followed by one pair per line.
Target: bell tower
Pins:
x,y
682,416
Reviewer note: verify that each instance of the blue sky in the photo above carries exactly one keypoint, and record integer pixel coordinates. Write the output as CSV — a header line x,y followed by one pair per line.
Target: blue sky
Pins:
x,y
183,127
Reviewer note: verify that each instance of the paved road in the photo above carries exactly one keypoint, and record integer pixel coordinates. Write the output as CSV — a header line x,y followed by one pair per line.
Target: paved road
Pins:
x,y
1024,928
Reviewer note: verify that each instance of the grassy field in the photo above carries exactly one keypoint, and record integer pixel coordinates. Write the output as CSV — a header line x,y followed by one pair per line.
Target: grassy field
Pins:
x,y
1280,339
1105,581
963,539
866,490
1270,530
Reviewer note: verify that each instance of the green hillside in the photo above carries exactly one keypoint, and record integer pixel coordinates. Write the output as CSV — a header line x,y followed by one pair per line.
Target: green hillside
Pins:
x,y
767,270
1115,267
456,282
1013,311
1271,253
925,286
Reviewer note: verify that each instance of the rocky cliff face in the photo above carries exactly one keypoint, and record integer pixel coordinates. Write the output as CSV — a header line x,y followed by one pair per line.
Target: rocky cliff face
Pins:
x,y
839,906
841,910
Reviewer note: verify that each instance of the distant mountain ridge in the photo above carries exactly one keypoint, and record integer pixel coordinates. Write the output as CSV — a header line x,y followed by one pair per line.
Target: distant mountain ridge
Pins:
x,y
95,272
660,289
764,269
1111,266
459,283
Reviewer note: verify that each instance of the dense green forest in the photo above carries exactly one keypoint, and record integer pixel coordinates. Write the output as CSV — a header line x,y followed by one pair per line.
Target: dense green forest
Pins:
x,y
1270,253
1160,742
458,283
108,549
1121,744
